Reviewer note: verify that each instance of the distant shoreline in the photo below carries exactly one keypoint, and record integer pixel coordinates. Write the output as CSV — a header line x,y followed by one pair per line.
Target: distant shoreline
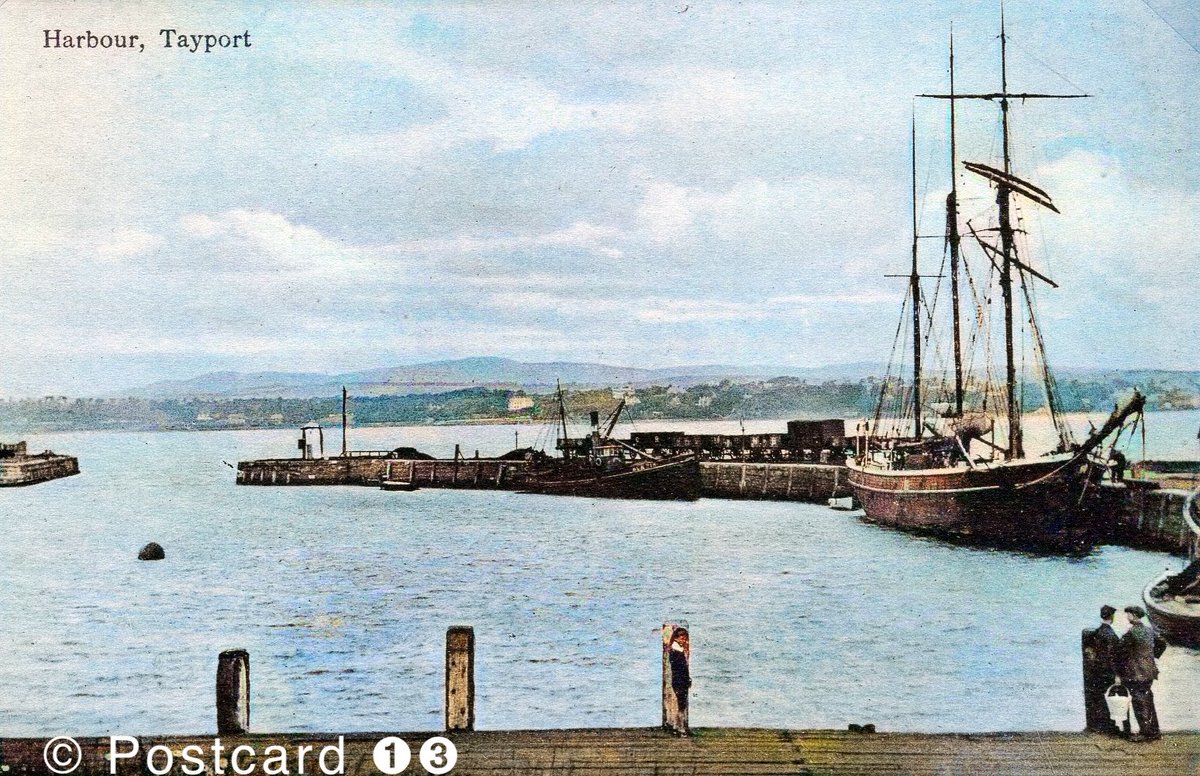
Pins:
x,y
9,435
775,399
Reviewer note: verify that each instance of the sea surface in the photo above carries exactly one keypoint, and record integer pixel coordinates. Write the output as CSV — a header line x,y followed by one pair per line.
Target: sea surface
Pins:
x,y
800,616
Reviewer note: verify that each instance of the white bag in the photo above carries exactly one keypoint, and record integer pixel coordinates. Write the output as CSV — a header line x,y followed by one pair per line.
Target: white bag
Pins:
x,y
1117,698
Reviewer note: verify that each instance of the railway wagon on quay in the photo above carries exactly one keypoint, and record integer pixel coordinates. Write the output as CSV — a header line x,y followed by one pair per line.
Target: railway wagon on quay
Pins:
x,y
805,441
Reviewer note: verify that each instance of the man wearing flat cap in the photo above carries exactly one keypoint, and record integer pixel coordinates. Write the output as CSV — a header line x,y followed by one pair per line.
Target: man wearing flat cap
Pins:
x,y
1139,646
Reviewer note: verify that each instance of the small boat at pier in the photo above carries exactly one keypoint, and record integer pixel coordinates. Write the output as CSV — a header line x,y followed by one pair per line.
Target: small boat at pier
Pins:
x,y
676,479
1173,600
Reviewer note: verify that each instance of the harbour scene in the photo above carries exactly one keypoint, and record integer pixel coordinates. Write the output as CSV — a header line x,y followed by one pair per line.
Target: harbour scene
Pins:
x,y
345,592
591,396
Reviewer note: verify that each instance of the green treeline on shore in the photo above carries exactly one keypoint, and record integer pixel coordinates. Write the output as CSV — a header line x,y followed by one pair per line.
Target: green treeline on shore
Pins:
x,y
779,398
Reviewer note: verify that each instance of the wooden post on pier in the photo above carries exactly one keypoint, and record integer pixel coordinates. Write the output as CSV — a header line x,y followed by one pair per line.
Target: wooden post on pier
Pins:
x,y
677,677
1097,676
1095,709
233,692
460,678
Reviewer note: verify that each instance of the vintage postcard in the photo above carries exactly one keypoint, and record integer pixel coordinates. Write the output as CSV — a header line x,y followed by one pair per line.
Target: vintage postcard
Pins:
x,y
633,387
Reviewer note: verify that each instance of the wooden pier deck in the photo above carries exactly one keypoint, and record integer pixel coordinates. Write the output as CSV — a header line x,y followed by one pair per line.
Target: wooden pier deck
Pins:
x,y
762,752
724,751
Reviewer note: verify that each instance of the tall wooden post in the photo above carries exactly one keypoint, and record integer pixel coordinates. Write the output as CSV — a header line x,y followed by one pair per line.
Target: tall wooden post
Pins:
x,y
460,678
233,692
1097,674
677,677
1095,710
344,423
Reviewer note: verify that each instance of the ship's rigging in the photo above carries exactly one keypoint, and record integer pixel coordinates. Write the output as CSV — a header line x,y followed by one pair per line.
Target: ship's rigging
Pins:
x,y
945,400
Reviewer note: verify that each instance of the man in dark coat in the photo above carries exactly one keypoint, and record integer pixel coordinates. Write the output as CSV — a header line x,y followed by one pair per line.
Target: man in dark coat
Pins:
x,y
1102,648
1139,646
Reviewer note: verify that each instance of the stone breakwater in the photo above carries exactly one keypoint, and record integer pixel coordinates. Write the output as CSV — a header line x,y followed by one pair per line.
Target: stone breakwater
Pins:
x,y
719,479
17,467
1131,514
373,471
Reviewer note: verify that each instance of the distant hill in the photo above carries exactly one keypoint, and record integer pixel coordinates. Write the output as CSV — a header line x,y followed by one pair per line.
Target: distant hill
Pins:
x,y
478,372
231,384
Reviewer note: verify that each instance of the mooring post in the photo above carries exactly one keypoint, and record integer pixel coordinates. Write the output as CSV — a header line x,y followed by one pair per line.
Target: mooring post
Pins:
x,y
1095,710
460,678
677,677
1097,676
233,692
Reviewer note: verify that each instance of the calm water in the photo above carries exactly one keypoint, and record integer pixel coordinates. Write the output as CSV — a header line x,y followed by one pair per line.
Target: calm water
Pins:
x,y
801,616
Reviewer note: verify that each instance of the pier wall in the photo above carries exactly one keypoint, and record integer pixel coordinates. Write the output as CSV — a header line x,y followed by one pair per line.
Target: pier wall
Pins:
x,y
361,470
36,468
1143,517
1149,519
719,479
776,481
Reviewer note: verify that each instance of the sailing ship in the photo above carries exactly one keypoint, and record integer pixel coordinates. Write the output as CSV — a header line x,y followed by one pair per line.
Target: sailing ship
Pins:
x,y
946,455
601,466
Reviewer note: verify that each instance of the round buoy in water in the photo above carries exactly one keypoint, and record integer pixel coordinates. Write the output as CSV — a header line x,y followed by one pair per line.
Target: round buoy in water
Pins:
x,y
152,551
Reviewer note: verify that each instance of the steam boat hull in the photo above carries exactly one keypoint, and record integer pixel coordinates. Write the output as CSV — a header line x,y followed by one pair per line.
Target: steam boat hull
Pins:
x,y
671,480
1035,505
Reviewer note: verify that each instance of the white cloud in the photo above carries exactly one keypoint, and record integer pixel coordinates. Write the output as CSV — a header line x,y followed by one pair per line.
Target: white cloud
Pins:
x,y
581,234
1117,225
478,104
200,225
672,311
584,235
788,218
128,243
253,242
799,307
667,211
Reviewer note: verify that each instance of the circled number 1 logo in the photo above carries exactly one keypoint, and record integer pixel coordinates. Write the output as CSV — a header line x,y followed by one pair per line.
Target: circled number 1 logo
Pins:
x,y
391,755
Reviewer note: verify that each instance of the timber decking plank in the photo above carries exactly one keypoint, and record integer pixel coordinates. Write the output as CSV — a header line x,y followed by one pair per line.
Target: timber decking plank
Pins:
x,y
716,751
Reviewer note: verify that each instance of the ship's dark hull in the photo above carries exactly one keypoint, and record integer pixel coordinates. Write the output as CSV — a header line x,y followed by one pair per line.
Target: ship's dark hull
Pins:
x,y
672,480
1035,505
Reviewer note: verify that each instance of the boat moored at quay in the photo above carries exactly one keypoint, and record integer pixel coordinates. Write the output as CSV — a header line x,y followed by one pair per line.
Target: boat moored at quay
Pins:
x,y
1173,600
945,454
599,466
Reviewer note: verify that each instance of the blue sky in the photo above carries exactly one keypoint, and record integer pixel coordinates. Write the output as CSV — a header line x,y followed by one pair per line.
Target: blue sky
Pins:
x,y
643,184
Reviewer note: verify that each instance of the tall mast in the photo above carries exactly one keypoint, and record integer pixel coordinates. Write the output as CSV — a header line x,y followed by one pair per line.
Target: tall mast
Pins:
x,y
1016,448
1005,183
344,421
954,241
562,413
915,285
